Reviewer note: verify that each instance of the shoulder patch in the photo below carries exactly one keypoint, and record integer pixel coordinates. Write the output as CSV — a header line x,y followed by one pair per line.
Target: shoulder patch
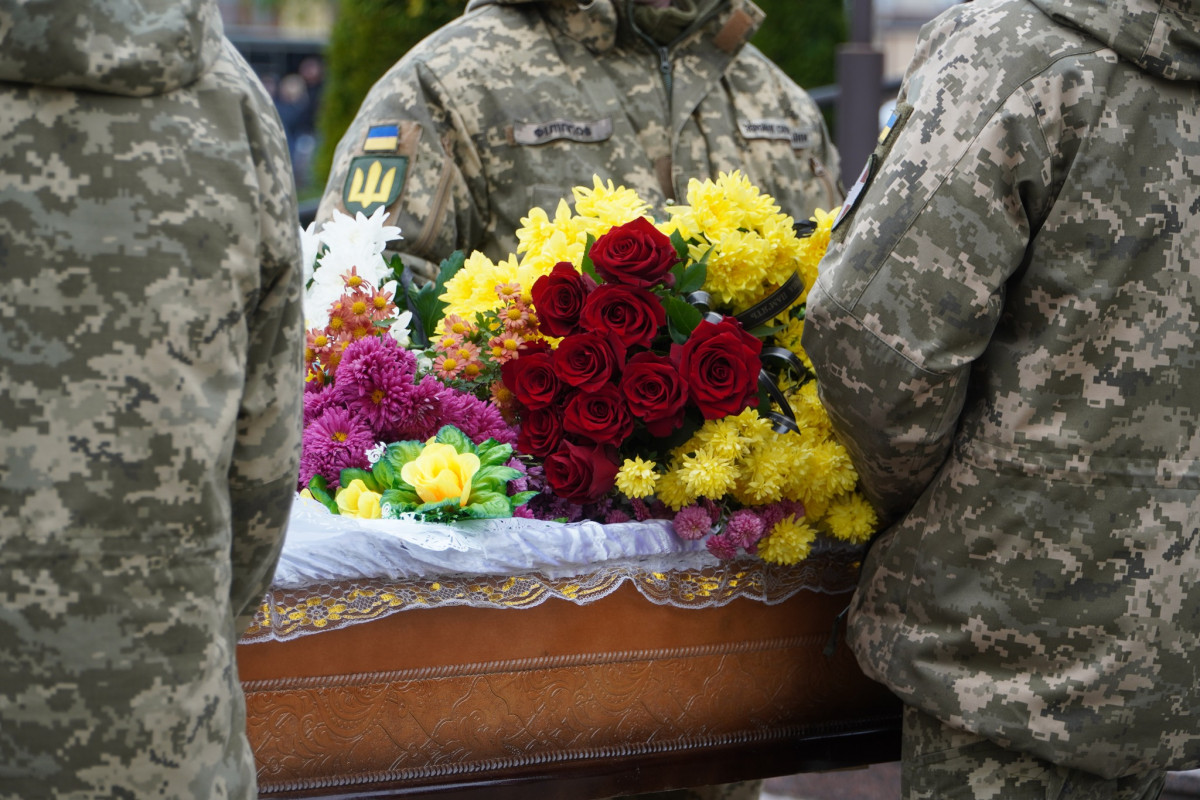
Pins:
x,y
372,182
381,139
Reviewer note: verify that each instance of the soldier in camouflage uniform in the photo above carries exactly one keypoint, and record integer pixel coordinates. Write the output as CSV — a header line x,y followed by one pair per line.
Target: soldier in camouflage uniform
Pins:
x,y
1005,334
149,394
517,101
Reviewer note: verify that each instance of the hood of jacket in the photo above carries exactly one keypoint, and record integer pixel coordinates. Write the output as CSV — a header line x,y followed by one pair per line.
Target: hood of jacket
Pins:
x,y
124,47
1161,37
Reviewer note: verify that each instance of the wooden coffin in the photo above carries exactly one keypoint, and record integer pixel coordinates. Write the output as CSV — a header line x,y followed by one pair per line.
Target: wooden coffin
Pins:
x,y
562,700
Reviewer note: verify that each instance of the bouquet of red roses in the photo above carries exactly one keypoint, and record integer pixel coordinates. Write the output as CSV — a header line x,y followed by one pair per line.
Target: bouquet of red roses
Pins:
x,y
655,369
622,361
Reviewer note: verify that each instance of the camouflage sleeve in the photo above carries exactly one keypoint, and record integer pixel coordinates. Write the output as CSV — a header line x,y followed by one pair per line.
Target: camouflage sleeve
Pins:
x,y
913,284
438,194
262,476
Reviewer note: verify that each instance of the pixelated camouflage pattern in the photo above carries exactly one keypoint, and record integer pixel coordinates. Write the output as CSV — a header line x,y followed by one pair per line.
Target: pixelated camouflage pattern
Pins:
x,y
1005,333
941,763
149,406
460,94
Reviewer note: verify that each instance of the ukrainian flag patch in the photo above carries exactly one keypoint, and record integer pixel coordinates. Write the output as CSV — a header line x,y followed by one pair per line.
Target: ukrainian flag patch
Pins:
x,y
382,139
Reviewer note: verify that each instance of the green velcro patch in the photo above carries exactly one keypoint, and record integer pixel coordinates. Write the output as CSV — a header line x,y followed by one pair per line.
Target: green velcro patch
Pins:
x,y
372,182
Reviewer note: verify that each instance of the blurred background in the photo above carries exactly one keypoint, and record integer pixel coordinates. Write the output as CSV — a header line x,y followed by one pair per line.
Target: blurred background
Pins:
x,y
318,58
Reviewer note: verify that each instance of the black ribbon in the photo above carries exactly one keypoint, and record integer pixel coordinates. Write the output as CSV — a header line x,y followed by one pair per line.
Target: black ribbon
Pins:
x,y
783,420
773,304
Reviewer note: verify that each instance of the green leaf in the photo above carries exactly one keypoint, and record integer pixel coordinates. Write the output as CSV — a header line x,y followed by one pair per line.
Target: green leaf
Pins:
x,y
400,453
396,265
586,266
319,489
351,474
692,277
491,452
489,505
682,318
681,247
426,301
400,499
521,498
447,509
385,474
455,438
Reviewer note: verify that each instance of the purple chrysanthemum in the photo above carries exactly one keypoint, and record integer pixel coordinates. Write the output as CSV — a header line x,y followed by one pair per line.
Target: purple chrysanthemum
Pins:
x,y
334,441
375,380
316,401
744,528
422,414
692,522
478,420
616,515
721,547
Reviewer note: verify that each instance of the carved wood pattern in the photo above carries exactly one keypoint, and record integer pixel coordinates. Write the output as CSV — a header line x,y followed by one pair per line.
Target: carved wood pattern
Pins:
x,y
312,732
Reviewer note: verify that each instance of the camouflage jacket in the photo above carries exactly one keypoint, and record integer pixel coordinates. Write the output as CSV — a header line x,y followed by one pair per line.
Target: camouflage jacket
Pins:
x,y
517,101
149,394
1005,334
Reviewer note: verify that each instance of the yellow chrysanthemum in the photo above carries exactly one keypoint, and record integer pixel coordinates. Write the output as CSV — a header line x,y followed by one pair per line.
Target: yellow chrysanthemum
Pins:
x,y
637,478
789,542
607,204
707,475
851,518
473,288
672,491
721,437
830,472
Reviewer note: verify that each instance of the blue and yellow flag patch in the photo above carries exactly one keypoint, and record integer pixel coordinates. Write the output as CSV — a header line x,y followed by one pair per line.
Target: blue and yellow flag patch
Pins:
x,y
382,139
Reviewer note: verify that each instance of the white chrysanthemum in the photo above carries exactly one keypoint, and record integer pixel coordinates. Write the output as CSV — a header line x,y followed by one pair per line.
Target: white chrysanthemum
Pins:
x,y
400,330
310,245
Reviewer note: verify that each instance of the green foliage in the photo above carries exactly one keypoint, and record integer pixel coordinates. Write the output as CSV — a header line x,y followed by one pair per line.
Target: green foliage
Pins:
x,y
802,38
368,37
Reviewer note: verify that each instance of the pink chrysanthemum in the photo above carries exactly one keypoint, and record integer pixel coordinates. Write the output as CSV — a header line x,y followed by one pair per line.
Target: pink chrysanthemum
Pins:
x,y
334,441
692,522
721,547
744,528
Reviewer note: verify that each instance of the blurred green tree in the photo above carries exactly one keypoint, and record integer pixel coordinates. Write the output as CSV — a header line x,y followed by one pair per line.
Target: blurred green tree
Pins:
x,y
802,37
367,38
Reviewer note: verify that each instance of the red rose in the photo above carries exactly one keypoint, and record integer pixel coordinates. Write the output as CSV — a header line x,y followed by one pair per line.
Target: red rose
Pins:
x,y
600,416
630,313
720,363
655,392
581,473
541,431
636,253
587,360
531,377
558,298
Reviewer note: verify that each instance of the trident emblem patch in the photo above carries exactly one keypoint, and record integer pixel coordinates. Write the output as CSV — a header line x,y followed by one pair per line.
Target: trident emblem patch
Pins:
x,y
373,181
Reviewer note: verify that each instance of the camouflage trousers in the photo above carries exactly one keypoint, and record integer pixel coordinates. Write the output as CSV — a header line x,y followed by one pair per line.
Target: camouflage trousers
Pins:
x,y
941,763
744,790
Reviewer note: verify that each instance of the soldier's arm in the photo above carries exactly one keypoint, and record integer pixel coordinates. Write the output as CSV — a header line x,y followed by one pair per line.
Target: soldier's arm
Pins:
x,y
409,150
913,284
262,475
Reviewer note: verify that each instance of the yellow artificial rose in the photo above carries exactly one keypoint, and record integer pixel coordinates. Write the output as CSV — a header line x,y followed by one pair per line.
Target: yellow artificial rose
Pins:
x,y
356,500
441,472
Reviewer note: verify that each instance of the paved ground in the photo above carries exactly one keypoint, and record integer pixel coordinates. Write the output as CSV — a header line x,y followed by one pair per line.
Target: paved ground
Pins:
x,y
882,782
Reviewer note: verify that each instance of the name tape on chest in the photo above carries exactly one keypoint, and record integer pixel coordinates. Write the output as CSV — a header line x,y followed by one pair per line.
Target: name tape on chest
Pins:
x,y
535,133
776,129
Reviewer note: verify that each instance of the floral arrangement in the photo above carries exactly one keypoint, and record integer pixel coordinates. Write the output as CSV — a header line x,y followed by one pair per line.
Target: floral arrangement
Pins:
x,y
654,369
377,424
614,368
